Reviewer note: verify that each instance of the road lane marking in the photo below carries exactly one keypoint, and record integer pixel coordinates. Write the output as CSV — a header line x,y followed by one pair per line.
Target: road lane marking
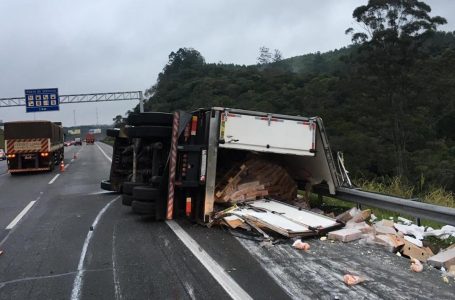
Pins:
x,y
102,151
53,179
20,215
221,276
77,284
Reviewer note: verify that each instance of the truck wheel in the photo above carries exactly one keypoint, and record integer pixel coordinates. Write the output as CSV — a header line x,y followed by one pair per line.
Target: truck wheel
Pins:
x,y
150,118
106,185
112,132
128,187
149,131
143,208
146,193
127,200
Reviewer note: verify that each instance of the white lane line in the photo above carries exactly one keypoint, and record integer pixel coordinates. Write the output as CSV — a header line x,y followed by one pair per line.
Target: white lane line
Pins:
x,y
117,289
53,179
227,282
20,215
77,284
102,151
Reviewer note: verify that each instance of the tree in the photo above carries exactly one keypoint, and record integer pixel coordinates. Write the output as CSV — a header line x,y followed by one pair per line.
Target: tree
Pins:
x,y
118,121
391,39
265,56
277,55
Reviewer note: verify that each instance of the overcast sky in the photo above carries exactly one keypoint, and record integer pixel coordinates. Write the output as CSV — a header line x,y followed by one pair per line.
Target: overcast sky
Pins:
x,y
90,46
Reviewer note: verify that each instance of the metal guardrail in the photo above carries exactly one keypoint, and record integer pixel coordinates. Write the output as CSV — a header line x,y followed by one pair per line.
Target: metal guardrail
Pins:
x,y
441,214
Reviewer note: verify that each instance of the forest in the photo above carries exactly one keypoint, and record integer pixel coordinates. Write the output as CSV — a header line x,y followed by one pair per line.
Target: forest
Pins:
x,y
387,100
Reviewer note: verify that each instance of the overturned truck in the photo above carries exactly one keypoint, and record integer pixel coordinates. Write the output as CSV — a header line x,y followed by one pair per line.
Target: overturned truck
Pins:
x,y
178,164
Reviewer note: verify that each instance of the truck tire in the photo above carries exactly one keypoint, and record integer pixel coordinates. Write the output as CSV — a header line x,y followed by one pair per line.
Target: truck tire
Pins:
x,y
149,131
143,208
146,193
156,179
128,186
106,185
127,200
150,118
112,132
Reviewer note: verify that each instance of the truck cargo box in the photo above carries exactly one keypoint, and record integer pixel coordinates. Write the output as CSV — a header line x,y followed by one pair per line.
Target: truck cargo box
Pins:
x,y
34,130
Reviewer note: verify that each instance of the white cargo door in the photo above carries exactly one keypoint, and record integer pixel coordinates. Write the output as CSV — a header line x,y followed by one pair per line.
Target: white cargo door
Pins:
x,y
267,134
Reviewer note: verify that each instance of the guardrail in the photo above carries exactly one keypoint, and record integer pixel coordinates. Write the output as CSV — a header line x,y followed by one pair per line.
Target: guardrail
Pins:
x,y
441,214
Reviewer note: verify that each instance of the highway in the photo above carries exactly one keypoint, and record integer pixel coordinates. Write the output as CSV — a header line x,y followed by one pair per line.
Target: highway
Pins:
x,y
62,237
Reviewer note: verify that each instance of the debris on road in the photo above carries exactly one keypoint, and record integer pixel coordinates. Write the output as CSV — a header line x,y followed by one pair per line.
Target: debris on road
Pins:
x,y
276,216
345,235
444,259
298,244
420,253
416,265
350,279
269,217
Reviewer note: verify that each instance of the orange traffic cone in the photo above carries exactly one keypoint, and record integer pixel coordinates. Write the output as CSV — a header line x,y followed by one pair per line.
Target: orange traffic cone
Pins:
x,y
62,166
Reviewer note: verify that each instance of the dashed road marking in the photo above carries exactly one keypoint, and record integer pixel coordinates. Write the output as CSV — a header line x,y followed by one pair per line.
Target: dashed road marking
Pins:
x,y
20,215
54,179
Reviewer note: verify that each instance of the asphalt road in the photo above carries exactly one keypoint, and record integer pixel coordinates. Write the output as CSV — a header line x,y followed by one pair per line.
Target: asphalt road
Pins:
x,y
78,242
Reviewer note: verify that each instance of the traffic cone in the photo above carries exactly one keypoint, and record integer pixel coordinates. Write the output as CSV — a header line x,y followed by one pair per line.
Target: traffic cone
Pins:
x,y
62,166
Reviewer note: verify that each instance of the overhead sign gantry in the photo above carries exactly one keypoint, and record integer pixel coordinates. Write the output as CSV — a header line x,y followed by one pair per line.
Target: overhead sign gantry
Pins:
x,y
75,98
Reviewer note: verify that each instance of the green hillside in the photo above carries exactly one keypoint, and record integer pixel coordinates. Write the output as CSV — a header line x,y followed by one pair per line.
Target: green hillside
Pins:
x,y
388,101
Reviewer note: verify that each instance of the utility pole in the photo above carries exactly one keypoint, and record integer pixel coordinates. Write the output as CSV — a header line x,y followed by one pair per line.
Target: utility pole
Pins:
x,y
74,117
96,109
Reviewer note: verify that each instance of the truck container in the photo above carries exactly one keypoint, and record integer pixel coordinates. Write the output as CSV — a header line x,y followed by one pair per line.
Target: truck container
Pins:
x,y
174,163
33,145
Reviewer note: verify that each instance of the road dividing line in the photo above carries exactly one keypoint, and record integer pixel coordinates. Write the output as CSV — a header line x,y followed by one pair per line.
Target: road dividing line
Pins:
x,y
77,284
20,215
54,179
227,282
102,151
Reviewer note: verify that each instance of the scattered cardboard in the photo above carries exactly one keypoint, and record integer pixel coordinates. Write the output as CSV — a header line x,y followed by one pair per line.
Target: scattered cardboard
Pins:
x,y
444,259
411,250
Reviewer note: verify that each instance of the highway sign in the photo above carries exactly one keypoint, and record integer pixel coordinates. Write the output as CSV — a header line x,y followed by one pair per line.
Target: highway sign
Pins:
x,y
74,131
41,100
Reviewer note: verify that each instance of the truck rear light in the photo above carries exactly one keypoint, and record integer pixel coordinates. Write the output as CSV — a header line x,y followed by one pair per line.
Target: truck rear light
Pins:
x,y
193,125
44,154
188,206
11,155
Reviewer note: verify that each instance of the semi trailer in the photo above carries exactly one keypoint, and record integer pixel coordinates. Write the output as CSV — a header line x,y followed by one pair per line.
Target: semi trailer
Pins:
x,y
170,164
33,145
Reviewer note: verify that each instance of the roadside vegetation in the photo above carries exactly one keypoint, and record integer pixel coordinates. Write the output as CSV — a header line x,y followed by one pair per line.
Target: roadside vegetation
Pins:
x,y
387,100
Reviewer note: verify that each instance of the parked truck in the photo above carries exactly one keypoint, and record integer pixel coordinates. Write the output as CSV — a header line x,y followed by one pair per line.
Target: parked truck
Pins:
x,y
33,145
164,164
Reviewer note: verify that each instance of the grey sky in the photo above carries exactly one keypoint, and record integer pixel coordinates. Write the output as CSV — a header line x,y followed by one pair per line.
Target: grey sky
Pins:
x,y
90,46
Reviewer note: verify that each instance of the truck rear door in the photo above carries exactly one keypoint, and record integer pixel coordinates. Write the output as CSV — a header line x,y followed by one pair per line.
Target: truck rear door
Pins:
x,y
267,133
